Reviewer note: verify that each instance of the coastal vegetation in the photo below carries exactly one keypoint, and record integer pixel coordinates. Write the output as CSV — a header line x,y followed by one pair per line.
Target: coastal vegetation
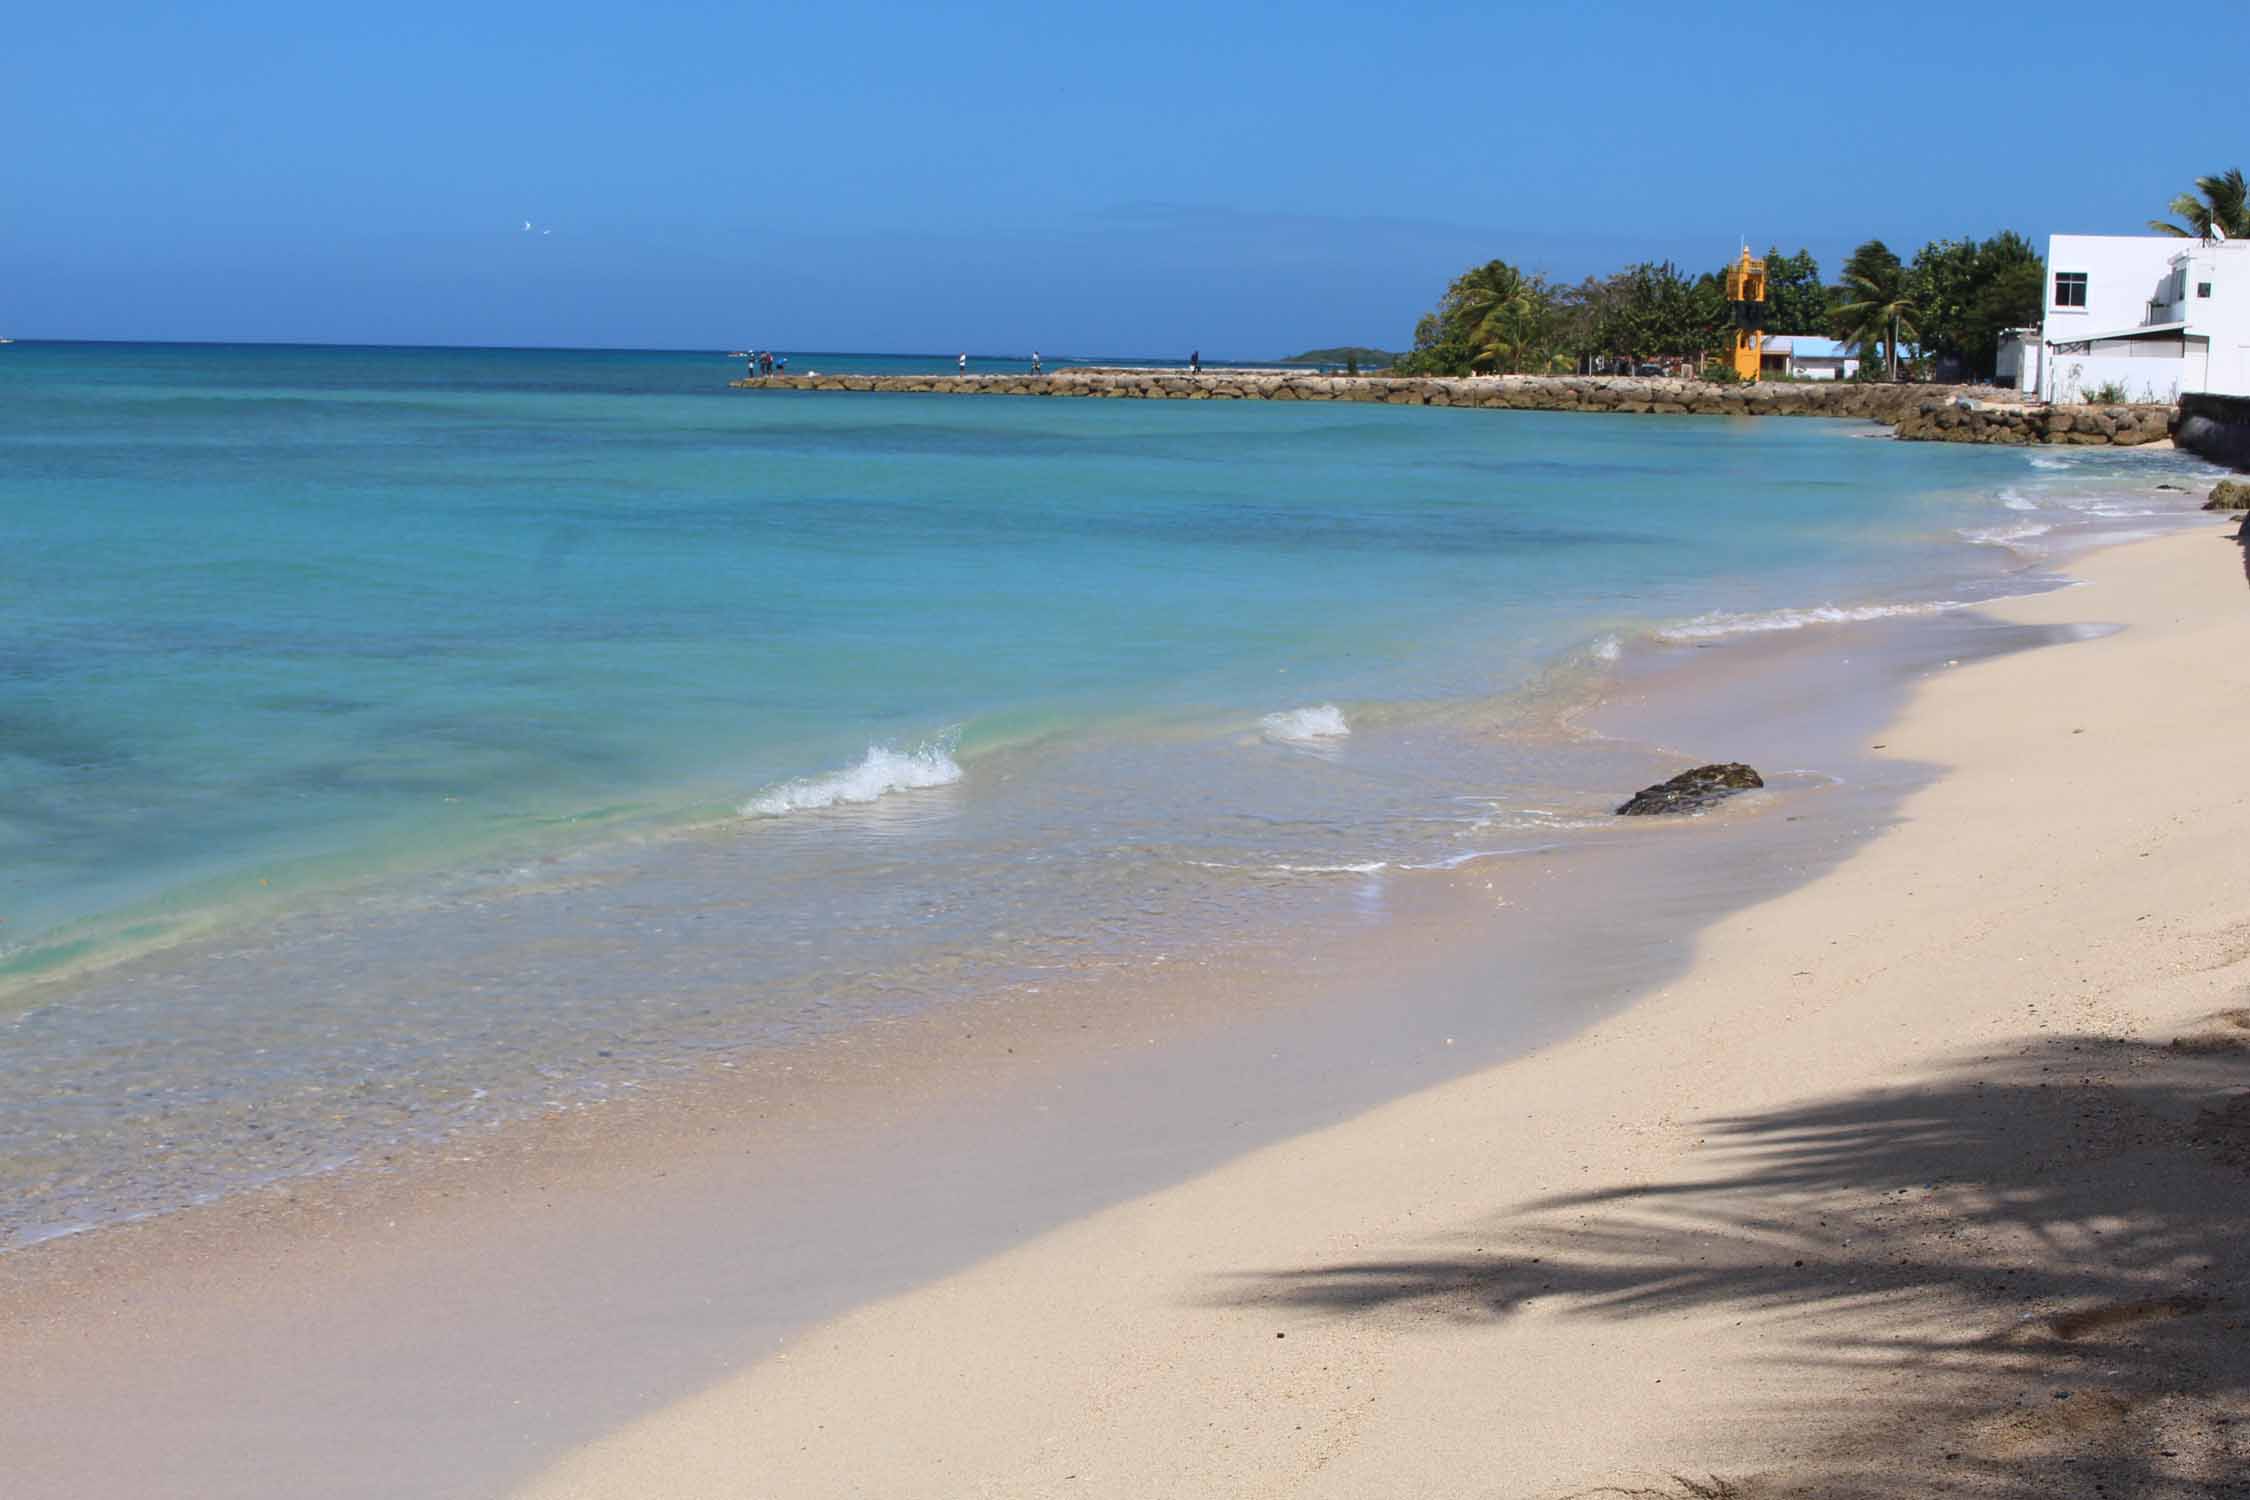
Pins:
x,y
1345,354
1949,304
1876,305
1941,314
2220,201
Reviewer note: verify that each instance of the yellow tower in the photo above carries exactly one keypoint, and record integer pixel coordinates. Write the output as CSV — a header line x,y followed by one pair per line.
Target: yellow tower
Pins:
x,y
1746,290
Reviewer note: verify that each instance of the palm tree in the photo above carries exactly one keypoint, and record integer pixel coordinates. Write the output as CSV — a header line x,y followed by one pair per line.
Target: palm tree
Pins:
x,y
1514,331
2224,205
1876,303
1500,308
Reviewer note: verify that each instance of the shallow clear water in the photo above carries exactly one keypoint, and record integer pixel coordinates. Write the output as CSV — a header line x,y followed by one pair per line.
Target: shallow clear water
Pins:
x,y
447,731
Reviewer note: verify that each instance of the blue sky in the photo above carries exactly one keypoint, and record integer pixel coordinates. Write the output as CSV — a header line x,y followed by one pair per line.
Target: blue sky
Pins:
x,y
1247,179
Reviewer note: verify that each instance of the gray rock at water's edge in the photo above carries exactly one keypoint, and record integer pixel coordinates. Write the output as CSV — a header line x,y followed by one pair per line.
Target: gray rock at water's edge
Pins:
x,y
1692,791
2229,494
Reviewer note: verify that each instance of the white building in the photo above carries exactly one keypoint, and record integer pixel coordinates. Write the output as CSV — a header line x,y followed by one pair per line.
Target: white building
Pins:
x,y
2151,314
1806,356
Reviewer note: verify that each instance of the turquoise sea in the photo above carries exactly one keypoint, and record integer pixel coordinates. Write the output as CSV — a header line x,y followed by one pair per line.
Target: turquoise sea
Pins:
x,y
392,739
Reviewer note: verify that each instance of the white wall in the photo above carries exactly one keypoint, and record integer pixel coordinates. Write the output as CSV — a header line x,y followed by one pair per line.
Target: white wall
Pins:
x,y
2015,366
1820,367
2223,317
2070,376
2123,274
2123,271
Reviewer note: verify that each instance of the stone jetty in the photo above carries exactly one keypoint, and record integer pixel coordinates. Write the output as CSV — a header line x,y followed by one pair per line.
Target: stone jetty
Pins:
x,y
1973,421
1920,412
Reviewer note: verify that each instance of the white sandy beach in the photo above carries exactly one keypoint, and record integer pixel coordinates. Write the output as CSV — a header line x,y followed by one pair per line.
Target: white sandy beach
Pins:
x,y
1928,1175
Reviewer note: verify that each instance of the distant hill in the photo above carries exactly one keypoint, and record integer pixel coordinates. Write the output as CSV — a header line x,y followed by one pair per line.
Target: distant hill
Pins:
x,y
1368,358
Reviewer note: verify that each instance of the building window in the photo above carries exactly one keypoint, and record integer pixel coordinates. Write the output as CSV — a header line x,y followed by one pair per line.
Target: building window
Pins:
x,y
2203,289
2070,289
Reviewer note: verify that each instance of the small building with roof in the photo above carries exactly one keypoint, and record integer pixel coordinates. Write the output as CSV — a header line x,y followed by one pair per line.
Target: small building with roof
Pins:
x,y
1807,356
2154,316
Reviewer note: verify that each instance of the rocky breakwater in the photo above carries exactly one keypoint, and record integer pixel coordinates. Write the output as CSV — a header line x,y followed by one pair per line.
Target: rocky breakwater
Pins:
x,y
1965,419
1596,393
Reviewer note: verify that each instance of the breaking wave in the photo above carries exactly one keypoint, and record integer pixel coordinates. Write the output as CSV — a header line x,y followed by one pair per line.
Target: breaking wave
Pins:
x,y
1723,623
1303,726
2001,536
883,771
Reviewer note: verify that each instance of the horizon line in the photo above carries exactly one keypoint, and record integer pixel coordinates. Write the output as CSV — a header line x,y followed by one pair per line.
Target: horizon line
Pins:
x,y
795,351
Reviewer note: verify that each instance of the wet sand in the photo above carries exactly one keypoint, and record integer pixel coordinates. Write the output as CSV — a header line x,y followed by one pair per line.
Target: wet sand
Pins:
x,y
1928,1174
659,1270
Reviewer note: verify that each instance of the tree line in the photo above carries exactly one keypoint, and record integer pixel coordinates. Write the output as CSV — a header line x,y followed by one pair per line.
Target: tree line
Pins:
x,y
1950,303
1948,306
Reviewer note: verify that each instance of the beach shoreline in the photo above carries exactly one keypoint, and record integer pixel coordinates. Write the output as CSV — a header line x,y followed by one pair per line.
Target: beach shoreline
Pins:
x,y
542,948
1923,1175
465,1210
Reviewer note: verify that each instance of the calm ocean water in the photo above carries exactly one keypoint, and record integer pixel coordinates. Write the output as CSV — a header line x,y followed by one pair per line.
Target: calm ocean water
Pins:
x,y
394,739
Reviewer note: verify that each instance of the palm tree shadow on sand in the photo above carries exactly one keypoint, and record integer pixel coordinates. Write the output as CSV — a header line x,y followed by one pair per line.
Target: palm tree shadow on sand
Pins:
x,y
2053,1246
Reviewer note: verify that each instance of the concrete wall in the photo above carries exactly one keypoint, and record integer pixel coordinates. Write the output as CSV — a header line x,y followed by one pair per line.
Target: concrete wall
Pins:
x,y
2071,376
2123,271
2222,316
2018,364
2132,283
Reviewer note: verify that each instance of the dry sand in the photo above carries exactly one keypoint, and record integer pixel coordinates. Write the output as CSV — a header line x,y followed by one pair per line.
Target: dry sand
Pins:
x,y
1929,1176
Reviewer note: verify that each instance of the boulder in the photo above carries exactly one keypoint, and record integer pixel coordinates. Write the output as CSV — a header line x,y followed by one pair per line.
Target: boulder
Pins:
x,y
1691,791
2230,494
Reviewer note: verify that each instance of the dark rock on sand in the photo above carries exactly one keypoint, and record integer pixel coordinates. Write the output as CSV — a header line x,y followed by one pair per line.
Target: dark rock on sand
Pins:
x,y
2229,494
1692,791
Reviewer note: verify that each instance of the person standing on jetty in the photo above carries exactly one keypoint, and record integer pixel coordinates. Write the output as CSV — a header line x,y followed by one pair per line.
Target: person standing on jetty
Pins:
x,y
961,363
1035,361
1195,363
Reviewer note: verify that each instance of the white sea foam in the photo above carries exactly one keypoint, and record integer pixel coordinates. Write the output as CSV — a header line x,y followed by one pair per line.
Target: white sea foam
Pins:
x,y
1532,819
1365,867
2043,462
2014,501
1723,623
883,771
1608,648
1471,856
2001,536
1304,726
